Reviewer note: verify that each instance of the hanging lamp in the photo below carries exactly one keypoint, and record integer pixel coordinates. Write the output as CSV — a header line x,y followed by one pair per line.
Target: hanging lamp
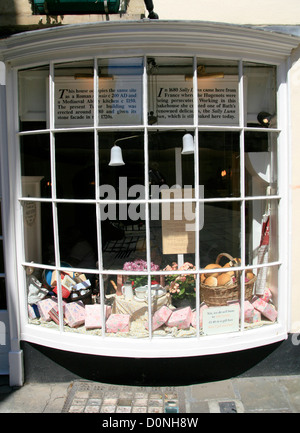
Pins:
x,y
265,118
188,144
116,157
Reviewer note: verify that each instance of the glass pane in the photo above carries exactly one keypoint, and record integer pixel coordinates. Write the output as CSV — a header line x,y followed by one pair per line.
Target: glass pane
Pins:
x,y
37,291
77,235
38,232
170,91
218,97
121,164
129,307
219,164
263,309
260,163
2,270
3,305
35,165
43,296
168,167
124,241
172,231
174,301
260,97
0,218
33,90
261,231
120,91
220,232
74,94
75,166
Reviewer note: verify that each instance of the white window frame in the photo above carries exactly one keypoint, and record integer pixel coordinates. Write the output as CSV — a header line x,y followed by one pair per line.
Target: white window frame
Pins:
x,y
206,41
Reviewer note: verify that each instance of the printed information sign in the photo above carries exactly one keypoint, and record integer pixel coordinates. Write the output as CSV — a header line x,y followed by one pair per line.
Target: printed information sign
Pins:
x,y
171,101
219,320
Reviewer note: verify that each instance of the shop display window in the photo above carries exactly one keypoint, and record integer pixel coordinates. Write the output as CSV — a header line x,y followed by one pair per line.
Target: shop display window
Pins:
x,y
149,196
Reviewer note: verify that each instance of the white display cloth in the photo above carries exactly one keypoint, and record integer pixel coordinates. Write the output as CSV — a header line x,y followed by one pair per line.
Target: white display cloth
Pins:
x,y
137,308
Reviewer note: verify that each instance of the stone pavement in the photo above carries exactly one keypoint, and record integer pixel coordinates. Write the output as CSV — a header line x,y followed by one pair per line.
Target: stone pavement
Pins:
x,y
267,394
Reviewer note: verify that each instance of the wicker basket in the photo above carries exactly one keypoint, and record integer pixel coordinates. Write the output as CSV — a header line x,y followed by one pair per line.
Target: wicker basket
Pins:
x,y
220,295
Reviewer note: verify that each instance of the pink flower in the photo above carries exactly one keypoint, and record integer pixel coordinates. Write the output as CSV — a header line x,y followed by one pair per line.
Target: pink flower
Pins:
x,y
139,265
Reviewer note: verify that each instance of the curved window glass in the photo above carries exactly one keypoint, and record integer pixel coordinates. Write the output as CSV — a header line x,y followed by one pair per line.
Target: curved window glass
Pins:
x,y
150,196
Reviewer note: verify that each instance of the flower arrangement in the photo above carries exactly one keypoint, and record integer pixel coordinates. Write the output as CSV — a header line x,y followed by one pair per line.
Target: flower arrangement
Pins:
x,y
139,265
181,286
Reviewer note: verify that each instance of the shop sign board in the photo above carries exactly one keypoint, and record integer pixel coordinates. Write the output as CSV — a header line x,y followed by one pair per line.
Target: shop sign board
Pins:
x,y
178,222
217,100
119,102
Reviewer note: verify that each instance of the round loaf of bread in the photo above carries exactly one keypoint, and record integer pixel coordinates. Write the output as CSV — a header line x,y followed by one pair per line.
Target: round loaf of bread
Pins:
x,y
212,266
224,279
229,265
249,275
211,281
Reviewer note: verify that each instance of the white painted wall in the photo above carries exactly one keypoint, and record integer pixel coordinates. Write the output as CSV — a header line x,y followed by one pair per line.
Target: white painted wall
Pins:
x,y
295,188
229,11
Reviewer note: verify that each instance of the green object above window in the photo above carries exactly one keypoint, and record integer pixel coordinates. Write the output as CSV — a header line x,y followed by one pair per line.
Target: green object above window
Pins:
x,y
73,7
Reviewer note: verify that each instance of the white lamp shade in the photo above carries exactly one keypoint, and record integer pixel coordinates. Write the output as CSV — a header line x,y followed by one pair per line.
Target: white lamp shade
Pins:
x,y
116,157
188,144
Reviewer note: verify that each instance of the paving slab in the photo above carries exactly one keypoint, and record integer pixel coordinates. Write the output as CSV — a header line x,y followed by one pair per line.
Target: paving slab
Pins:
x,y
290,386
262,394
211,390
34,398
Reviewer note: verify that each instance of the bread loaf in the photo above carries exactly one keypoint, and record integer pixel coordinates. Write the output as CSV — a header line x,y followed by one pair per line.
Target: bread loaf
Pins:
x,y
212,266
211,281
224,279
249,275
229,265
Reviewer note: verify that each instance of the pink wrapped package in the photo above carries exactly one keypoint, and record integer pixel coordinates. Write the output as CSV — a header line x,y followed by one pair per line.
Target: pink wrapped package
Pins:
x,y
93,315
181,318
44,306
235,303
160,317
248,310
267,295
75,314
265,309
203,306
54,315
253,317
118,323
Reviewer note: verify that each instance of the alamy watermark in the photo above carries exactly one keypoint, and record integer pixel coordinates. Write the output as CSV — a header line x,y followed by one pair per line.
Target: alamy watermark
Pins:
x,y
178,203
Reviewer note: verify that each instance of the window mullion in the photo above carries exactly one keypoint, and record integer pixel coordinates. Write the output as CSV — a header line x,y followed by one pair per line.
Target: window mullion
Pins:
x,y
197,193
242,187
146,178
53,191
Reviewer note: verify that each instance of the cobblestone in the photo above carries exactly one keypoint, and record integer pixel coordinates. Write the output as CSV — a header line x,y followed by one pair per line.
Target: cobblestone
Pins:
x,y
121,400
